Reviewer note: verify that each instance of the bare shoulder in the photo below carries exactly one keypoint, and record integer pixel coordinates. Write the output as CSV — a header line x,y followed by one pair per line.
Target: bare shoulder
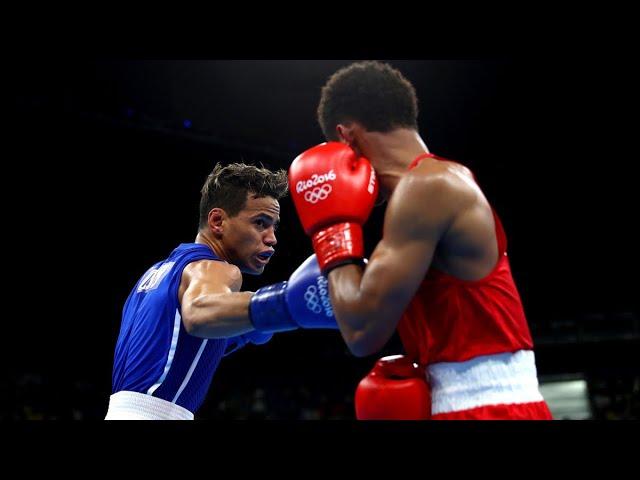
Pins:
x,y
214,271
442,173
440,188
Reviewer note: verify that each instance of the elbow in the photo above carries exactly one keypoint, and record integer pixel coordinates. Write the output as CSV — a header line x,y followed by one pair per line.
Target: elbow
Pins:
x,y
191,325
361,332
202,317
210,320
361,345
193,321
359,352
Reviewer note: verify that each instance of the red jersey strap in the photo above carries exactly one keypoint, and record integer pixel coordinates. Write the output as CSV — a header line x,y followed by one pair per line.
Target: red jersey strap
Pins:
x,y
500,234
502,237
415,162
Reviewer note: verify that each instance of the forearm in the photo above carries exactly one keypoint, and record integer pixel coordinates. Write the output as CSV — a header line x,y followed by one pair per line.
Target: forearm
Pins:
x,y
218,315
359,314
346,296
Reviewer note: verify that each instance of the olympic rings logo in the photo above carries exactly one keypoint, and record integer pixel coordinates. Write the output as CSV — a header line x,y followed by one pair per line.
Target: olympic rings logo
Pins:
x,y
318,193
317,298
311,297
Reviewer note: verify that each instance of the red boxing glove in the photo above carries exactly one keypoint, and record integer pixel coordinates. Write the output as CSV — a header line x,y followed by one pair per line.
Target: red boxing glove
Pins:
x,y
395,389
334,191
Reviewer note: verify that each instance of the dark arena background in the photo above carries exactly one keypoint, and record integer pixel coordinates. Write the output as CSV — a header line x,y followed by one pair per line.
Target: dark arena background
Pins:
x,y
107,159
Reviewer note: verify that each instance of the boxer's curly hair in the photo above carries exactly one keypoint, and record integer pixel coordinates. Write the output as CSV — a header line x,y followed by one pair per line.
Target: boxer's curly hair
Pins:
x,y
371,93
227,186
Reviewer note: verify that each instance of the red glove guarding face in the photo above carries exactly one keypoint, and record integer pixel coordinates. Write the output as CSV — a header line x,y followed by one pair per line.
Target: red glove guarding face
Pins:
x,y
333,190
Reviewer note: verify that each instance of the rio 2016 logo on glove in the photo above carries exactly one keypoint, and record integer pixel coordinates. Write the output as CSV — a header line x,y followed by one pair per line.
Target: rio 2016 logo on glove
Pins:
x,y
315,179
315,303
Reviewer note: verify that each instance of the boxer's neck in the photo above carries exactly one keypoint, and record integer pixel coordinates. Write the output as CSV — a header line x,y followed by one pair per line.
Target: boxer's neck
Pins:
x,y
391,154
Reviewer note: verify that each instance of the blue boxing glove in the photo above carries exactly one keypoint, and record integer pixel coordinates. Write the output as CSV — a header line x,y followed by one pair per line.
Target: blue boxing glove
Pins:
x,y
255,337
301,302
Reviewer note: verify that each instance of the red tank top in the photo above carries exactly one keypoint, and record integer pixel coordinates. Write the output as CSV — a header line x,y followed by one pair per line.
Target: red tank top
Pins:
x,y
454,320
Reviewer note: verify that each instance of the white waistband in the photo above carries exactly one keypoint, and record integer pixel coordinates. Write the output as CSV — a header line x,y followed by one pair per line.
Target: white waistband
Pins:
x,y
140,406
486,380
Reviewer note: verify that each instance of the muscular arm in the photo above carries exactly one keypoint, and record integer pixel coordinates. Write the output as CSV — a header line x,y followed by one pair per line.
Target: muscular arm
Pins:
x,y
369,304
211,303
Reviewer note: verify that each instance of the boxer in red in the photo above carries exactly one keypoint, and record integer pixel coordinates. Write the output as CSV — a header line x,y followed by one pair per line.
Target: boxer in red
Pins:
x,y
440,275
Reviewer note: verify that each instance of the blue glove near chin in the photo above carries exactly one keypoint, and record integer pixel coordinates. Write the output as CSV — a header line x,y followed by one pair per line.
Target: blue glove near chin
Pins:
x,y
301,302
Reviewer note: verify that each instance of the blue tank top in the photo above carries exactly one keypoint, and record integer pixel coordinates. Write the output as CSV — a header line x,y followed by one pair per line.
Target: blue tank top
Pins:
x,y
154,353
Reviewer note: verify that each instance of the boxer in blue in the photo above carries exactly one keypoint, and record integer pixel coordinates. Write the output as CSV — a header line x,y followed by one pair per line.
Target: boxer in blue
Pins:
x,y
188,311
